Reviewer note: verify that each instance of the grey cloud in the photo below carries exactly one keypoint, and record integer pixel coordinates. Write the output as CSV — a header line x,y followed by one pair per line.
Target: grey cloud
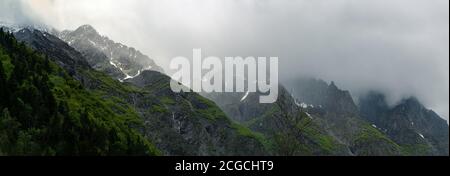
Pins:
x,y
399,47
16,12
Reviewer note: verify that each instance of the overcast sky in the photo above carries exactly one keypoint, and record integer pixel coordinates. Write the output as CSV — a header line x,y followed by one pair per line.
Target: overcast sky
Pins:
x,y
399,47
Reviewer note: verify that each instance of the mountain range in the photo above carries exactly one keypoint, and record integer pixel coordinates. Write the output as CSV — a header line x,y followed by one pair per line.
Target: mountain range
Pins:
x,y
90,87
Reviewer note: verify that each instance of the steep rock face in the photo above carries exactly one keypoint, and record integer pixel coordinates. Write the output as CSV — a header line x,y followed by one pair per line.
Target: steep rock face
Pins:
x,y
178,124
54,48
289,129
338,113
339,101
194,125
418,130
318,93
103,54
241,107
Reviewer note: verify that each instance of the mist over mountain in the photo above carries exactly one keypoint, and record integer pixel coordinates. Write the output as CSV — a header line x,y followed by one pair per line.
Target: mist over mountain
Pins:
x,y
313,118
357,77
14,14
396,47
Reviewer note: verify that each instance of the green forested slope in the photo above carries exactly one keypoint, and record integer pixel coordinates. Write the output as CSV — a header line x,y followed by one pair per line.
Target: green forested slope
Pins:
x,y
43,111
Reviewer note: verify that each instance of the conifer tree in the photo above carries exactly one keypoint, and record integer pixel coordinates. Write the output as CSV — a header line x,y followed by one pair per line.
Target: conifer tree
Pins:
x,y
3,88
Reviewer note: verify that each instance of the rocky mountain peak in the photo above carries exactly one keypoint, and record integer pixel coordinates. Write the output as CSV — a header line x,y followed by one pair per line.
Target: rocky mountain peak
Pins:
x,y
409,123
123,62
333,86
374,105
64,55
412,102
86,29
319,93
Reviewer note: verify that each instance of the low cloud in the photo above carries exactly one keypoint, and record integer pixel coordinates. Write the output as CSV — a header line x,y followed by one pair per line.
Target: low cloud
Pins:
x,y
399,47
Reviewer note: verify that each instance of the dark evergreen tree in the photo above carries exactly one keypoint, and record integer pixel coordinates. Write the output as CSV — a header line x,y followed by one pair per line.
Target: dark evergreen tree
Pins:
x,y
3,89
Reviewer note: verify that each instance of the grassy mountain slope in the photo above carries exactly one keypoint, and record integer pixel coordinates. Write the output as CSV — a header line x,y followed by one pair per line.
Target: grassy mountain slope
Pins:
x,y
194,127
192,122
289,130
44,111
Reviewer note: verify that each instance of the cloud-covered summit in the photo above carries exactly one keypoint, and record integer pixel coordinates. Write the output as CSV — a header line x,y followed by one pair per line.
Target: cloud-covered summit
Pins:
x,y
399,47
